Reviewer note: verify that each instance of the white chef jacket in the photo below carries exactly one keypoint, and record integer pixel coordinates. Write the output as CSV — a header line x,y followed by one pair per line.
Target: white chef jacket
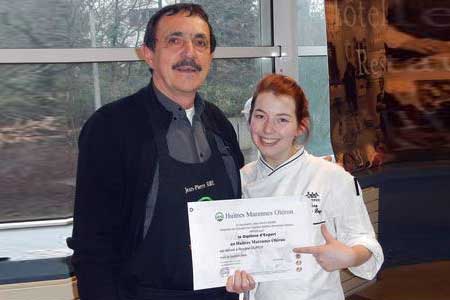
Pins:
x,y
336,200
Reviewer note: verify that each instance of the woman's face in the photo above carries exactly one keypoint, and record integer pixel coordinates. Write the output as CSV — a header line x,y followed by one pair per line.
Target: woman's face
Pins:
x,y
274,127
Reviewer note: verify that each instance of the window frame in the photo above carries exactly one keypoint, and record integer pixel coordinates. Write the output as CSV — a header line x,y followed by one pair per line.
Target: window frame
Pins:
x,y
277,30
276,20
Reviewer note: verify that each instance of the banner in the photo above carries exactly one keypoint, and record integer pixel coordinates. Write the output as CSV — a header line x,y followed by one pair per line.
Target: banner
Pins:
x,y
389,66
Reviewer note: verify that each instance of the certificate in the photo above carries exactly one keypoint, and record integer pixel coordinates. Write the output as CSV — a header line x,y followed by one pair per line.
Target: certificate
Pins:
x,y
256,235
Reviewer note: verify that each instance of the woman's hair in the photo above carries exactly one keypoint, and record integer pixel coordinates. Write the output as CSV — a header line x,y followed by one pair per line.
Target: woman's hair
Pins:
x,y
281,85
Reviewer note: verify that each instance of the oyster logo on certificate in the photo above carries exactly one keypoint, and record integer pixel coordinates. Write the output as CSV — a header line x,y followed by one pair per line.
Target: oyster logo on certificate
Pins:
x,y
219,216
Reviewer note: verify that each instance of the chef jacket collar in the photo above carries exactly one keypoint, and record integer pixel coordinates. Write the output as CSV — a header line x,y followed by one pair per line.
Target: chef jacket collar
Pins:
x,y
268,170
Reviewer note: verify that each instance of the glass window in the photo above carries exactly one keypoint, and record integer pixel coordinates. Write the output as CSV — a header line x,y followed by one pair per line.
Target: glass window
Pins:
x,y
313,78
114,24
311,25
42,108
230,84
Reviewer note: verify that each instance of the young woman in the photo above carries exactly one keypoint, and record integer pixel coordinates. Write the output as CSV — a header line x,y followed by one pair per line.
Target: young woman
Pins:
x,y
343,236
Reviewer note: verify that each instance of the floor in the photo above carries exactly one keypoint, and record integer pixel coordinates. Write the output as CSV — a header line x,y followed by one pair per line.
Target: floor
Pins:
x,y
427,281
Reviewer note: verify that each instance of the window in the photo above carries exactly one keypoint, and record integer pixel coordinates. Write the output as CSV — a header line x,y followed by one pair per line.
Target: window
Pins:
x,y
43,106
313,76
115,24
311,25
62,59
313,71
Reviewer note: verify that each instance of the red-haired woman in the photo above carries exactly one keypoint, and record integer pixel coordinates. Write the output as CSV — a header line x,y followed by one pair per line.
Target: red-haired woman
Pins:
x,y
343,236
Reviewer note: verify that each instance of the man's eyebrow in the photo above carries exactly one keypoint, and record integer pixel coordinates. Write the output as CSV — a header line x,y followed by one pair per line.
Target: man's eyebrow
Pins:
x,y
176,33
179,33
200,35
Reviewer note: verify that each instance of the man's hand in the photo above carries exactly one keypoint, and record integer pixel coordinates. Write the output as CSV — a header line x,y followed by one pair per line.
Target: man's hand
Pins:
x,y
241,282
333,255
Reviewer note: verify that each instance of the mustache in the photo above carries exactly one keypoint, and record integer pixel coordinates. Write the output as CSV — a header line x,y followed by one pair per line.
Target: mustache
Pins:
x,y
187,63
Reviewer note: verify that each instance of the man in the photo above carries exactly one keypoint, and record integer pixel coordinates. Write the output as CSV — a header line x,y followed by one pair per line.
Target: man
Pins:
x,y
141,159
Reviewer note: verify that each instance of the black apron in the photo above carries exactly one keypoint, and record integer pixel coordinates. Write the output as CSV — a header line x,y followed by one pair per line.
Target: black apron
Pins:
x,y
163,263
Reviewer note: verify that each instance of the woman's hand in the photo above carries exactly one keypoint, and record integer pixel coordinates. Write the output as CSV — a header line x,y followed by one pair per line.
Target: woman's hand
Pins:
x,y
334,255
241,282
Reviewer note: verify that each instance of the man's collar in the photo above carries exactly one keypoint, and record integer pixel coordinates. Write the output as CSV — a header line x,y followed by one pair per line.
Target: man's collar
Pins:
x,y
174,107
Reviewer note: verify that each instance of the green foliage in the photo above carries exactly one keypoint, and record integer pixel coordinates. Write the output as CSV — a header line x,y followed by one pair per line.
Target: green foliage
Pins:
x,y
231,82
235,22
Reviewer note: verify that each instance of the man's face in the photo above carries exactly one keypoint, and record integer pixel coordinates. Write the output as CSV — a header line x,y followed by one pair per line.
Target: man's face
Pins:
x,y
181,60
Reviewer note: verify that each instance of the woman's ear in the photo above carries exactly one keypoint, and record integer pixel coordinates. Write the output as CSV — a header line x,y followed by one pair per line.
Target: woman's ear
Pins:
x,y
303,126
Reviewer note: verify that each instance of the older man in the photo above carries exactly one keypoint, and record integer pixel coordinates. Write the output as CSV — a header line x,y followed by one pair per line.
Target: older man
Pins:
x,y
140,158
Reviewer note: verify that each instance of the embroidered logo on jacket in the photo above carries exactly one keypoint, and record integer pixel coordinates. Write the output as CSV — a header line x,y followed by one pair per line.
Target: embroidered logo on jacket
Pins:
x,y
315,205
